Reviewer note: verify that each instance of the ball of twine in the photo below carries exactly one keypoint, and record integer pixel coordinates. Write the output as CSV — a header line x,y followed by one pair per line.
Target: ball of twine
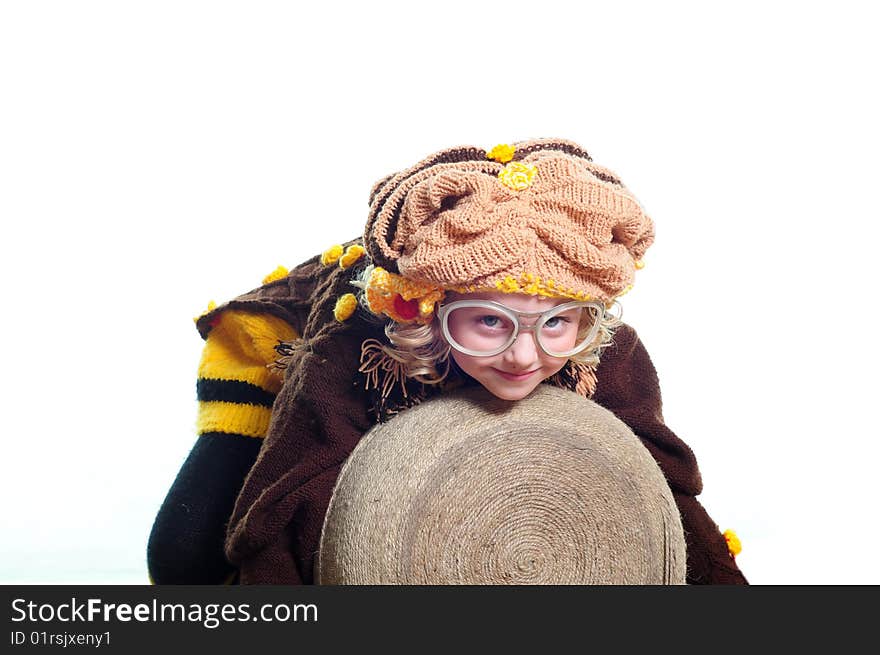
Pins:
x,y
470,489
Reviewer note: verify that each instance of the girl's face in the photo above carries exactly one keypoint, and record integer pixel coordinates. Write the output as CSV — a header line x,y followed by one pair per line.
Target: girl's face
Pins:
x,y
514,373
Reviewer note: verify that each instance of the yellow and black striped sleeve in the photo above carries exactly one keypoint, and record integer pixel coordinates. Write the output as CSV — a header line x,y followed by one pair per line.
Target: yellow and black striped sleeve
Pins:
x,y
236,385
235,389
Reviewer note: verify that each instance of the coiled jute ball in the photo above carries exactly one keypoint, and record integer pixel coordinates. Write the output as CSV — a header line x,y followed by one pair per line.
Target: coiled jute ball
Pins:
x,y
470,489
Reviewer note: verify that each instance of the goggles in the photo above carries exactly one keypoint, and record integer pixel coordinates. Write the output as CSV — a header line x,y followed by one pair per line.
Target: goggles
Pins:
x,y
483,328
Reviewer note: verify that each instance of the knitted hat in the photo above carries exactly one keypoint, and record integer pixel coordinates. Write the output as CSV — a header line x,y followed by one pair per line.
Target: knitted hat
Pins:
x,y
538,217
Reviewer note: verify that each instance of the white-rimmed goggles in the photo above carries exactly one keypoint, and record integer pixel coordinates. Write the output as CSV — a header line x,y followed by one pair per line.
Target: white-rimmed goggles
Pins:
x,y
483,328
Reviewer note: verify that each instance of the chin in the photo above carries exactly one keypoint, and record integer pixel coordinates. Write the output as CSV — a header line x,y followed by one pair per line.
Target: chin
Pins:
x,y
511,394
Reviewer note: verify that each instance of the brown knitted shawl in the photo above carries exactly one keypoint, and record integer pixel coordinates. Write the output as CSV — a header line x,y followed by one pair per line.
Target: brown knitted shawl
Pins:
x,y
323,410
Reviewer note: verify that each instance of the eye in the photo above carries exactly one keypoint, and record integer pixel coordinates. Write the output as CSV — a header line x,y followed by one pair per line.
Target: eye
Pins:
x,y
556,321
490,321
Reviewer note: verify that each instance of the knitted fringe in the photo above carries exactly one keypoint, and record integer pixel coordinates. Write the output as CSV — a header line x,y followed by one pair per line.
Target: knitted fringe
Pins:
x,y
385,379
286,350
577,377
376,363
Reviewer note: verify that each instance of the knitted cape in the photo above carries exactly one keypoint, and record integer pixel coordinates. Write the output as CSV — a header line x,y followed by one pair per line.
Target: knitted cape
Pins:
x,y
323,409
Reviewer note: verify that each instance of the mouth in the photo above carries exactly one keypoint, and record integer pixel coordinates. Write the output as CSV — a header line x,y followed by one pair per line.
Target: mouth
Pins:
x,y
515,377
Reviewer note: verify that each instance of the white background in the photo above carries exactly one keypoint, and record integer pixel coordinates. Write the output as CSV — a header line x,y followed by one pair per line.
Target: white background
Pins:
x,y
158,155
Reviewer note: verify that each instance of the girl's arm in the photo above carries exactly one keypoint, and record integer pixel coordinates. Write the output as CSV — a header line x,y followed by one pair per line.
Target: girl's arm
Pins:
x,y
236,388
186,543
628,386
237,385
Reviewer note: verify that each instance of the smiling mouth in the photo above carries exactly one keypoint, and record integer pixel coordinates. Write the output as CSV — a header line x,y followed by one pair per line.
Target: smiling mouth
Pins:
x,y
515,376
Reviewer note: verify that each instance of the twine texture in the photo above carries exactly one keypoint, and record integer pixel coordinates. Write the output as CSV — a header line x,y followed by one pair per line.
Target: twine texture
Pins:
x,y
470,489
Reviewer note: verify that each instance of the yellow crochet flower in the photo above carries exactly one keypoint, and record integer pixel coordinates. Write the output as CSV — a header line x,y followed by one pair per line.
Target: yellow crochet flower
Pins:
x,y
502,153
278,274
734,545
351,255
517,175
345,306
331,255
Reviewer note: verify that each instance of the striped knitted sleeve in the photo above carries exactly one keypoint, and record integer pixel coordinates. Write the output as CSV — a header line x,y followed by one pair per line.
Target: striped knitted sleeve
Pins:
x,y
236,385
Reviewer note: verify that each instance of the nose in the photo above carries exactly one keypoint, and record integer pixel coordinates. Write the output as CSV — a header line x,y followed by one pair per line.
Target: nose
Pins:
x,y
523,352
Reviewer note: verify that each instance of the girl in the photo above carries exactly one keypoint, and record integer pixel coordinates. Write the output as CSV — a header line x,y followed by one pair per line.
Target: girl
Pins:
x,y
496,268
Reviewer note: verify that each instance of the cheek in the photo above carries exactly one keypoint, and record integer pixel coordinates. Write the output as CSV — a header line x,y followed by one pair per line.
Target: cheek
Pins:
x,y
552,365
478,368
466,363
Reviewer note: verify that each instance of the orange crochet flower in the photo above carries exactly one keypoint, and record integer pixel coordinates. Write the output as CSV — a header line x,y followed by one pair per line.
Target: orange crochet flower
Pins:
x,y
399,298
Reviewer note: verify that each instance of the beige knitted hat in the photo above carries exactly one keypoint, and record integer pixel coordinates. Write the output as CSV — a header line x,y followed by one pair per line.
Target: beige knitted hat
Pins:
x,y
535,217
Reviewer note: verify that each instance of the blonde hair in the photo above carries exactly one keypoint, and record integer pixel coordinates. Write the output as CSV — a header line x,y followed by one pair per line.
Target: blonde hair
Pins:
x,y
421,350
